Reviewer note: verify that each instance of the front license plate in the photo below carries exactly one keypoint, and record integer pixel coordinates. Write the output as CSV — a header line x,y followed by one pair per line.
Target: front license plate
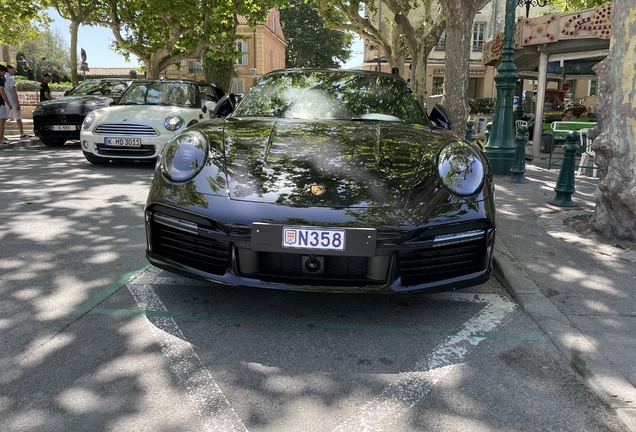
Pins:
x,y
314,238
122,142
64,127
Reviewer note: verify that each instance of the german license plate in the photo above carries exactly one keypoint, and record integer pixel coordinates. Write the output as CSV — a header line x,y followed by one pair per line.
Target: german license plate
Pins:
x,y
122,142
314,238
64,127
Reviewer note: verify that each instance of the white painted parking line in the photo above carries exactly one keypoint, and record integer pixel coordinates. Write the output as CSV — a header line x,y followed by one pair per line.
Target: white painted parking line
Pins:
x,y
412,386
376,415
213,407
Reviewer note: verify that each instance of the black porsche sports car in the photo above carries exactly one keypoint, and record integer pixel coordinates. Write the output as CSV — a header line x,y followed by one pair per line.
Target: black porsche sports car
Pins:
x,y
324,180
59,120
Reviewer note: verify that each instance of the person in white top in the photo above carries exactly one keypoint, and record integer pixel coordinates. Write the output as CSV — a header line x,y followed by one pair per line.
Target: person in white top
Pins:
x,y
12,94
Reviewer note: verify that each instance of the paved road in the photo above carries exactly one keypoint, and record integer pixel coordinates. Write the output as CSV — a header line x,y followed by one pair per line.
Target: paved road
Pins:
x,y
95,339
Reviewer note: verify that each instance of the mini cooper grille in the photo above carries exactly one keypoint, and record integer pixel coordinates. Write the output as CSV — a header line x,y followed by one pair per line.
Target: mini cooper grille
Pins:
x,y
128,129
143,151
288,268
190,249
444,262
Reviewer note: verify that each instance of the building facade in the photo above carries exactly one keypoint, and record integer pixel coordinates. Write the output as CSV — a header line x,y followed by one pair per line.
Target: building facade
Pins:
x,y
487,23
261,50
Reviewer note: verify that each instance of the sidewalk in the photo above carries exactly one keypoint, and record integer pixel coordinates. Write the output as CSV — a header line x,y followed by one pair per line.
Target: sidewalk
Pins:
x,y
11,130
581,292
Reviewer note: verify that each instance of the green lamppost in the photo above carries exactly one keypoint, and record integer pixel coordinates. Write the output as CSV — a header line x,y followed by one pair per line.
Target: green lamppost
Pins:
x,y
500,147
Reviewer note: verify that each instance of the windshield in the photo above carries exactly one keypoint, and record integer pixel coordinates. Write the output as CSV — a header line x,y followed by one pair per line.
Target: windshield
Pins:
x,y
161,93
332,95
98,87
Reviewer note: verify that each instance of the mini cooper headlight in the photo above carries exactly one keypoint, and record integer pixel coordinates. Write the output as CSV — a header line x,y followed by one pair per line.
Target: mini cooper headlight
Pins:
x,y
88,120
184,156
173,123
460,169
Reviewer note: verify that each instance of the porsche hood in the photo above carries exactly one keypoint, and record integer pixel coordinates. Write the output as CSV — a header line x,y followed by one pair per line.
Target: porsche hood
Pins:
x,y
322,163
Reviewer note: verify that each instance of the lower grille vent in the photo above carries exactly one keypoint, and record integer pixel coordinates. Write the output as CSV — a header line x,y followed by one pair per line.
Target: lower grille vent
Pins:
x,y
288,268
190,249
433,264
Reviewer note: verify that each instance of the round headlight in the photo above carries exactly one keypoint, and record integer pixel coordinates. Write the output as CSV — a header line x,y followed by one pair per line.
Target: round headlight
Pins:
x,y
460,169
173,123
88,120
184,156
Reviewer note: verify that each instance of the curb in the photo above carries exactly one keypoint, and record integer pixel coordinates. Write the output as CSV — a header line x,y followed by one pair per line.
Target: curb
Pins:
x,y
24,143
610,386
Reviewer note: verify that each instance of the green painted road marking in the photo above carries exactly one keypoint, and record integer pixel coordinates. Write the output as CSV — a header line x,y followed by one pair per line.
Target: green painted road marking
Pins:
x,y
308,323
90,307
110,289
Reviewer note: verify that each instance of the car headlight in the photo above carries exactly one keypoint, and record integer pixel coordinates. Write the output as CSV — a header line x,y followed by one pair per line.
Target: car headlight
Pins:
x,y
88,120
460,169
184,156
173,123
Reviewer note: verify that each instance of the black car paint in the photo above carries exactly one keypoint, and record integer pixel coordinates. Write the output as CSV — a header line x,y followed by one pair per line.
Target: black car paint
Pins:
x,y
417,205
69,110
378,174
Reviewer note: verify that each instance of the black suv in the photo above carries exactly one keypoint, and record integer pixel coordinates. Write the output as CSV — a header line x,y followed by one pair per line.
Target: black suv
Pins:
x,y
58,120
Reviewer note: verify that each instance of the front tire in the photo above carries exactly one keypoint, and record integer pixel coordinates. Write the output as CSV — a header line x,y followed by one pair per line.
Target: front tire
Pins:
x,y
52,142
96,160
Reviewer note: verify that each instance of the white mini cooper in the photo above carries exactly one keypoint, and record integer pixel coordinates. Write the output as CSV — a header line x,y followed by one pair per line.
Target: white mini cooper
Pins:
x,y
146,117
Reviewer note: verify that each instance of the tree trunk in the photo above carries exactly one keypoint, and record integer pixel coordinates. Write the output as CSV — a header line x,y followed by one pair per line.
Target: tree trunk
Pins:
x,y
420,44
152,68
460,15
74,28
615,131
418,77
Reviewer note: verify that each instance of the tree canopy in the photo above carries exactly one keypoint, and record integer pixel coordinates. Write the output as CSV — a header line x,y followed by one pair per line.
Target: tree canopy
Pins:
x,y
405,28
20,21
77,12
163,32
47,53
309,42
567,6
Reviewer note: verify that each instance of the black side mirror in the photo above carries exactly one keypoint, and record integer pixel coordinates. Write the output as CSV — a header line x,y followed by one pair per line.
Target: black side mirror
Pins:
x,y
66,92
225,107
440,117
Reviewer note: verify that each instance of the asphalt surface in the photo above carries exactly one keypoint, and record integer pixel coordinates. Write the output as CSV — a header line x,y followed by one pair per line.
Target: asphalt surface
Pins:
x,y
580,290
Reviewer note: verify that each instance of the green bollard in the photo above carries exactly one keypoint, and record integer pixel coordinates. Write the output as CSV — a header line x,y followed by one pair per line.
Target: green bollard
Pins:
x,y
518,169
565,184
469,131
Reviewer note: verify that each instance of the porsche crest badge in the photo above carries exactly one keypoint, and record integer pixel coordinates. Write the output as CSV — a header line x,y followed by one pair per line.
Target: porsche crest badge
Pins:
x,y
317,190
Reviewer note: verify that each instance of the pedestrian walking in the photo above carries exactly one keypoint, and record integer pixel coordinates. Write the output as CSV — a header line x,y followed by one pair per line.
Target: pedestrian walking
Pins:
x,y
12,93
45,91
5,104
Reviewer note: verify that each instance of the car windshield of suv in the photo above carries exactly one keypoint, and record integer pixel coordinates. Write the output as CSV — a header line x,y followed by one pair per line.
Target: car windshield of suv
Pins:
x,y
161,93
333,95
97,87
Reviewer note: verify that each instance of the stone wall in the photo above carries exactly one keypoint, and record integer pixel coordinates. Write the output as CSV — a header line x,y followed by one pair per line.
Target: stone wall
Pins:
x,y
28,101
